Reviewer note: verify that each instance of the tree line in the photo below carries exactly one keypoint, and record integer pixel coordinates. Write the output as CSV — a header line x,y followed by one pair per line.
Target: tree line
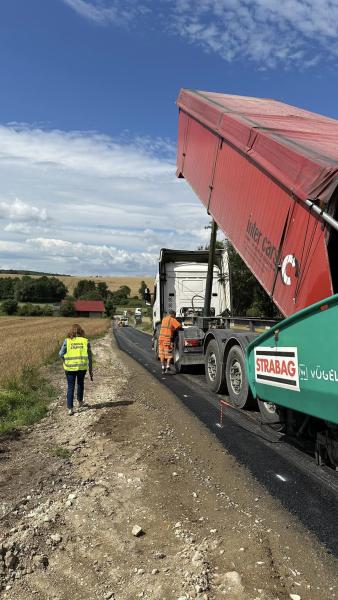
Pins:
x,y
51,289
248,296
87,289
22,295
32,289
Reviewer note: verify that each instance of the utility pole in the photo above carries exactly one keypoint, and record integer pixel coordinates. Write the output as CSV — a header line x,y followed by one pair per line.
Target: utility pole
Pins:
x,y
208,287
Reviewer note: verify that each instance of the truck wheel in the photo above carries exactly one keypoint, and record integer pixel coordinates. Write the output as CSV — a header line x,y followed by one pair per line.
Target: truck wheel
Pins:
x,y
237,382
155,348
271,415
155,342
179,367
214,368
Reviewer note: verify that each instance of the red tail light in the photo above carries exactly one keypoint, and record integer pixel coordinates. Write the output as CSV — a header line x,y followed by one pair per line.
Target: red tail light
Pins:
x,y
193,343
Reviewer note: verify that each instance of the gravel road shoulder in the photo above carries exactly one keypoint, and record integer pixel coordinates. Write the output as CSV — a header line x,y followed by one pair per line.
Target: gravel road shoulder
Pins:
x,y
72,490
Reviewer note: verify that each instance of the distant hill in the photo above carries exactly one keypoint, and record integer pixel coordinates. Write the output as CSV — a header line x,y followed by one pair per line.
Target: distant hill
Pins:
x,y
38,273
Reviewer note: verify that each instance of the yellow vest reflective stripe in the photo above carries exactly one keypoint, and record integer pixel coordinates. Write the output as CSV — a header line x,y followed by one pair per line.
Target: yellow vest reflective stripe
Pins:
x,y
76,357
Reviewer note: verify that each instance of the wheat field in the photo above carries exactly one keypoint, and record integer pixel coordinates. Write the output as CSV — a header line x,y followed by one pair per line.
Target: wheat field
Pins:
x,y
113,283
31,341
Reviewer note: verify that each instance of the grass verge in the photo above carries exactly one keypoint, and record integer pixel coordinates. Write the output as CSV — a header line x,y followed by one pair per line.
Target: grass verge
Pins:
x,y
146,327
60,452
25,399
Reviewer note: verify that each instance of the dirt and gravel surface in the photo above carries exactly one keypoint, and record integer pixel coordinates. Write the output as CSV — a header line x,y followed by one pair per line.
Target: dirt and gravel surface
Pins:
x,y
133,498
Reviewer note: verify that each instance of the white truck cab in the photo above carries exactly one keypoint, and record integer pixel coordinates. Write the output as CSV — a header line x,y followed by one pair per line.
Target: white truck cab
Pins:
x,y
180,284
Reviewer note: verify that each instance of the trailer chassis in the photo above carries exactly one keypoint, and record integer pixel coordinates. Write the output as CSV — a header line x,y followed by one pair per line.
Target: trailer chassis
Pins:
x,y
223,354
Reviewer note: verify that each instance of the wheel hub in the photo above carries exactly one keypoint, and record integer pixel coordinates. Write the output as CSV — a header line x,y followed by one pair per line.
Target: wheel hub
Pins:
x,y
212,367
236,377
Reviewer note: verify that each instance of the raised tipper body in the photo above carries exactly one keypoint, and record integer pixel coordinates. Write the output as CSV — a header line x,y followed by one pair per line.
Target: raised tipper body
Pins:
x,y
264,170
267,173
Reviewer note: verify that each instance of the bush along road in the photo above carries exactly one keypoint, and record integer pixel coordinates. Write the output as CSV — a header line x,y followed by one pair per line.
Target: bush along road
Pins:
x,y
134,498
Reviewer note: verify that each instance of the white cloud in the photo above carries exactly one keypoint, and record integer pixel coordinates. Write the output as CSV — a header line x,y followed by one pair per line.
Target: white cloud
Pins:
x,y
117,12
98,256
22,212
269,33
80,152
18,228
85,203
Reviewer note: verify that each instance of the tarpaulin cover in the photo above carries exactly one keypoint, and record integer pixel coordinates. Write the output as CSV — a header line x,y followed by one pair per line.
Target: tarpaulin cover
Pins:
x,y
296,147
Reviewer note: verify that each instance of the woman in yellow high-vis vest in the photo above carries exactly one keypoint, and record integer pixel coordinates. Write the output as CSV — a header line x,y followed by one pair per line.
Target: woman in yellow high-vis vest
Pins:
x,y
77,359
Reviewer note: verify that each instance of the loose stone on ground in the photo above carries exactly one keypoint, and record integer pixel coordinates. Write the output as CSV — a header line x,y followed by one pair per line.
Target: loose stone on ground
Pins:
x,y
146,504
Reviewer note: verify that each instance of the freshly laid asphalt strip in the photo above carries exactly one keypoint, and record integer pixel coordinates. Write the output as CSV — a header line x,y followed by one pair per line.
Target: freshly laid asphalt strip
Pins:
x,y
306,490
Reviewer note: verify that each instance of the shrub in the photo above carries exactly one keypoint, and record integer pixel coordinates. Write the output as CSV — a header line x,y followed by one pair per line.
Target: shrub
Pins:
x,y
84,287
135,302
91,295
67,308
24,310
255,311
10,307
109,307
149,312
33,310
7,286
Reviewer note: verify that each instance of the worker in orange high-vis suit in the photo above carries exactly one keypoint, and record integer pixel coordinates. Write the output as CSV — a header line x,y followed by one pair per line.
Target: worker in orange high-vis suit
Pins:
x,y
169,326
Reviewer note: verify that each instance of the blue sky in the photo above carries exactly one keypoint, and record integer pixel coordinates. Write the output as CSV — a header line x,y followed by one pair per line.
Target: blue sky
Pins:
x,y
88,117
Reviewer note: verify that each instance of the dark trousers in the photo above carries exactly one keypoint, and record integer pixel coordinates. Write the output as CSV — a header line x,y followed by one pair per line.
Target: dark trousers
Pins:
x,y
71,377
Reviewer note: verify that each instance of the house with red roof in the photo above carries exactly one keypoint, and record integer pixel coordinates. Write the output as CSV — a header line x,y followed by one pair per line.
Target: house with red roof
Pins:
x,y
89,308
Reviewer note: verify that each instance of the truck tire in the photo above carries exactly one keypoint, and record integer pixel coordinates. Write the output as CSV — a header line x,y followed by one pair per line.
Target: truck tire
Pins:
x,y
271,415
236,378
155,348
179,367
214,370
155,342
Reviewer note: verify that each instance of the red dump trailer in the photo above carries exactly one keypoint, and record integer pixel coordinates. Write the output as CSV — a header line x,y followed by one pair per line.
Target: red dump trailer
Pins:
x,y
267,173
